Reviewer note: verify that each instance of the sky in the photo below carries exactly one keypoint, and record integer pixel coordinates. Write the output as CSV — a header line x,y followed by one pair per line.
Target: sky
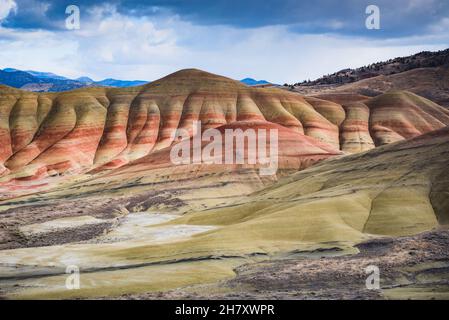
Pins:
x,y
282,41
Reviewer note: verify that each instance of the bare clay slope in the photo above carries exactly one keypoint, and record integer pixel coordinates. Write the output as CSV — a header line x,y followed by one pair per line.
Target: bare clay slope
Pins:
x,y
395,190
431,83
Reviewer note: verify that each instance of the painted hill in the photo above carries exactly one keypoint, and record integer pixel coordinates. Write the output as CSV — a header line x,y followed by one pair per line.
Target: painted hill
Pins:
x,y
95,129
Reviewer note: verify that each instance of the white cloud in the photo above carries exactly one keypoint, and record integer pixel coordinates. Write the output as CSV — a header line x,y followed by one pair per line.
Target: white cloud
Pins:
x,y
108,45
277,55
115,45
6,7
419,4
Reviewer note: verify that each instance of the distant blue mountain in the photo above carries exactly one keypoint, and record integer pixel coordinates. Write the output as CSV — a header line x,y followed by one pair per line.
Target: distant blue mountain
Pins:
x,y
85,80
17,79
10,70
253,82
120,83
47,81
46,75
37,74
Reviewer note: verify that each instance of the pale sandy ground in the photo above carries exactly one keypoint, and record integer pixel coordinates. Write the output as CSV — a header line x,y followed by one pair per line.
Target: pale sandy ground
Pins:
x,y
135,227
59,225
39,271
415,267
